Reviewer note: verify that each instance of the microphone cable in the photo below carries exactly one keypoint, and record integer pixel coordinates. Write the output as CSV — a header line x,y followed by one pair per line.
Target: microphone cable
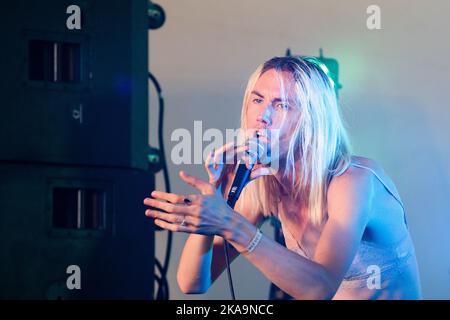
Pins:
x,y
163,285
241,178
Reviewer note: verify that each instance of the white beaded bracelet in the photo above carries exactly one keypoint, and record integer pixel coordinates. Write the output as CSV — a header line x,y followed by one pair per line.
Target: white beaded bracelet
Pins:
x,y
252,245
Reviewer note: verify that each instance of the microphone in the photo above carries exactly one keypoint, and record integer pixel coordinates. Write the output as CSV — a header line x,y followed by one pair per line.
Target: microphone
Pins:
x,y
242,174
241,178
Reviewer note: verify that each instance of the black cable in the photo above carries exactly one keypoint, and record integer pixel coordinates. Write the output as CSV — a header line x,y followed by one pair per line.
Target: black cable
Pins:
x,y
163,289
242,176
163,286
231,202
230,280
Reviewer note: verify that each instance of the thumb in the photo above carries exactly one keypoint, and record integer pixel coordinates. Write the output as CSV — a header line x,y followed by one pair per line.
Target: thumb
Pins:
x,y
202,186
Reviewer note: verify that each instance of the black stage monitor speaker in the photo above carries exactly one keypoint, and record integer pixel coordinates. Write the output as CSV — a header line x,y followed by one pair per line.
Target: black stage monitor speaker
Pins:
x,y
74,82
73,150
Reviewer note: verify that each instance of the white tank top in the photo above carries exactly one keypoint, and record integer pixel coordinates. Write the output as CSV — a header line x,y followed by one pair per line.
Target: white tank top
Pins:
x,y
390,261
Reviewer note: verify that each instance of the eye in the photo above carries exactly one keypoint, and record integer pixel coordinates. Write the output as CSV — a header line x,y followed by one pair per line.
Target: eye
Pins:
x,y
257,100
282,105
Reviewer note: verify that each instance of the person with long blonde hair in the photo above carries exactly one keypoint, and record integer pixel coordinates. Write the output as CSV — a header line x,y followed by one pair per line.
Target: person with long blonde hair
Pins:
x,y
342,218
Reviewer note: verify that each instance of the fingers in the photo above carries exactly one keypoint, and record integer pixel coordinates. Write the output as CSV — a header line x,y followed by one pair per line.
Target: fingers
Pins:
x,y
212,169
203,186
169,217
170,226
231,154
263,171
227,154
249,161
168,207
171,222
217,157
171,197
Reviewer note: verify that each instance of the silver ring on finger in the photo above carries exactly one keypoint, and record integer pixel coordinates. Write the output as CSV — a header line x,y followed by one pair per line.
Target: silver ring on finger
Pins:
x,y
183,223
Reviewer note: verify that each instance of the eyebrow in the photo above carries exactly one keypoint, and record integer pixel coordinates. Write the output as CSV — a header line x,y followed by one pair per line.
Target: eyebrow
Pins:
x,y
275,100
257,93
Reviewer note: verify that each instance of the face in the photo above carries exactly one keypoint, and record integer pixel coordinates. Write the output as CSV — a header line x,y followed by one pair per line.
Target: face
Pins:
x,y
268,108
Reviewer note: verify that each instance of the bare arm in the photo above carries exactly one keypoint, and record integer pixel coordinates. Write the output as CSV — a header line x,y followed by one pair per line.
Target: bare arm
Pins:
x,y
202,260
349,201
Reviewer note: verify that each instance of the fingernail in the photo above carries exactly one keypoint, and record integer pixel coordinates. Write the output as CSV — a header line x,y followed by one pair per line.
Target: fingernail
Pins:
x,y
184,173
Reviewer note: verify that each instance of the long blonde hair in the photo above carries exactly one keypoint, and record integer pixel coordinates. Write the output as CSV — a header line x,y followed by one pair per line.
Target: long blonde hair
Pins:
x,y
319,141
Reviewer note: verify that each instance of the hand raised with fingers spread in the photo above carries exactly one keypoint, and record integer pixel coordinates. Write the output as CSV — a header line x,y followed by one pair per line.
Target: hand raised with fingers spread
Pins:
x,y
205,213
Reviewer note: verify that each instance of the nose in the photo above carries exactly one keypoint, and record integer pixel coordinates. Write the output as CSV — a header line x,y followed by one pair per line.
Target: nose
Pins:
x,y
266,115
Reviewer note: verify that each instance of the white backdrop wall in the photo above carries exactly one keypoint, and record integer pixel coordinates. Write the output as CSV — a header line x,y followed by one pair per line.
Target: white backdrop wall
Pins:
x,y
395,99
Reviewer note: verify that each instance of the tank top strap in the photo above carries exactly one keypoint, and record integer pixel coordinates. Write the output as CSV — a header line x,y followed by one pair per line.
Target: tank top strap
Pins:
x,y
386,186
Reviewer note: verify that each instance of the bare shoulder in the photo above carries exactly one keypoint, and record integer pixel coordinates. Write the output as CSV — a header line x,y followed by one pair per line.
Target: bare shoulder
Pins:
x,y
383,180
366,162
353,190
353,177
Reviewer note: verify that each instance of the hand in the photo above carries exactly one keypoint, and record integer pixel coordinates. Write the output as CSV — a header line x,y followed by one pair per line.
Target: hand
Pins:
x,y
227,154
230,154
206,213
